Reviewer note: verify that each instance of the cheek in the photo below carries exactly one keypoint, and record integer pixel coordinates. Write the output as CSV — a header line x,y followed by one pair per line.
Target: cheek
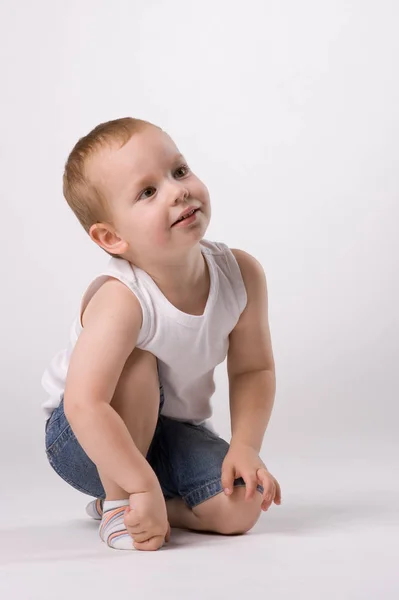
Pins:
x,y
206,200
201,191
153,227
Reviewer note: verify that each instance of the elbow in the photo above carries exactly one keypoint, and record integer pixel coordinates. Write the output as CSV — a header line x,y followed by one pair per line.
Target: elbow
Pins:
x,y
74,409
78,411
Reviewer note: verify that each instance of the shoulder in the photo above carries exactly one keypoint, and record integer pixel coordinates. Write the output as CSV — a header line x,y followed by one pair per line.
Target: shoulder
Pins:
x,y
249,266
246,260
251,269
114,300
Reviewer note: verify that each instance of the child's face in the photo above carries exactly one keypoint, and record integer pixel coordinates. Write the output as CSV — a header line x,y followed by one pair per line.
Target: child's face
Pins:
x,y
148,185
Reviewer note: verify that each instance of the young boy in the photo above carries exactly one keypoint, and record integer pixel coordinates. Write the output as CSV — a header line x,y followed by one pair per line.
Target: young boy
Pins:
x,y
129,398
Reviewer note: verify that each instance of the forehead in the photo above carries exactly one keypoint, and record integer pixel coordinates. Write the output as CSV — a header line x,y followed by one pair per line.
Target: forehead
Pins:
x,y
145,152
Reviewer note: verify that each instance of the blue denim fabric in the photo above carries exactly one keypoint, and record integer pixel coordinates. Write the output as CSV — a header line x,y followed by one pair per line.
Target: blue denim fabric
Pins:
x,y
186,458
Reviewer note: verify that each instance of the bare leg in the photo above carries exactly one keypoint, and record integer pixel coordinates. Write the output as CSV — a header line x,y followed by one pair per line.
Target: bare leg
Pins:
x,y
136,400
220,514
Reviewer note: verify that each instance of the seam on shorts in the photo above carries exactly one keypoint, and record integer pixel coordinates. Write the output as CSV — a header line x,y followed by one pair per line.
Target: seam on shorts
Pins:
x,y
66,432
67,480
52,452
212,488
195,497
53,419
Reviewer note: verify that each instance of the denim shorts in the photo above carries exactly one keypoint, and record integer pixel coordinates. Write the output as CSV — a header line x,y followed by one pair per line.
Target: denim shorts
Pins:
x,y
186,458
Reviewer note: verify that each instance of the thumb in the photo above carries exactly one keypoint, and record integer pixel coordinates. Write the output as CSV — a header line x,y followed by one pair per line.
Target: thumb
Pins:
x,y
228,478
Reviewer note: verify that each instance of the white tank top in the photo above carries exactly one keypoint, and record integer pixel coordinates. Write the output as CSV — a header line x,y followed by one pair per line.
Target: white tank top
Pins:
x,y
188,347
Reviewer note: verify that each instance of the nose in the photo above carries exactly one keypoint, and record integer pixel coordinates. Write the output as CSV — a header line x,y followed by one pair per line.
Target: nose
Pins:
x,y
178,192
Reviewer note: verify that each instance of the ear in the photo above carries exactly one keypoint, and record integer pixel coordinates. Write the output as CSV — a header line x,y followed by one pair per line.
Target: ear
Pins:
x,y
106,237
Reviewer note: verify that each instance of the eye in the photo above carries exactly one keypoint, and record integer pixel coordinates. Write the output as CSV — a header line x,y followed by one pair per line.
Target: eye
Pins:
x,y
147,193
182,171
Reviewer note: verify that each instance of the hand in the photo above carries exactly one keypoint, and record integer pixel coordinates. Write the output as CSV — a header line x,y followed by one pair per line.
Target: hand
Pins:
x,y
243,461
146,520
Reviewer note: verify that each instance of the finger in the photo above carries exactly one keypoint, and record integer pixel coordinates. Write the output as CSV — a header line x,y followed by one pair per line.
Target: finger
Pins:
x,y
265,505
228,473
140,537
251,483
277,497
268,488
131,520
267,501
135,530
152,544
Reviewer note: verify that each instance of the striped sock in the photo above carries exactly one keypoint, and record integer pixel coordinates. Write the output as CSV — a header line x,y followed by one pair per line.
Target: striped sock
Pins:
x,y
95,509
112,529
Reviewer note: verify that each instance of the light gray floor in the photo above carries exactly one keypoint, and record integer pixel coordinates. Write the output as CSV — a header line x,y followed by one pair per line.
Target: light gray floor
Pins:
x,y
335,536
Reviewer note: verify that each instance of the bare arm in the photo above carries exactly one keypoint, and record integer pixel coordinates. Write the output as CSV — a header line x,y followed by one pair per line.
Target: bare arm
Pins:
x,y
250,361
112,322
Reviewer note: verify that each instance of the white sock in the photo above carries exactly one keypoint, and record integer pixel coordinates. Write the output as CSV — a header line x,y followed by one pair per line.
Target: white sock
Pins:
x,y
95,509
112,529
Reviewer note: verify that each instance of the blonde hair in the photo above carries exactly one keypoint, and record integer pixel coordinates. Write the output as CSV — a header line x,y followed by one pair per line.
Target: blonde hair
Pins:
x,y
83,195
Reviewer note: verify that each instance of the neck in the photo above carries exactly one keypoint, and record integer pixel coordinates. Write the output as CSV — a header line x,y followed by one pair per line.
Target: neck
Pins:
x,y
179,273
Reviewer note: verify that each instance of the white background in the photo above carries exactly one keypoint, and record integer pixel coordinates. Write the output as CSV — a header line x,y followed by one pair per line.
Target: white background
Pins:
x,y
289,113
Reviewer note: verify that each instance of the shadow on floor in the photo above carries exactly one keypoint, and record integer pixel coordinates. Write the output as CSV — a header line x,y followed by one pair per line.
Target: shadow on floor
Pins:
x,y
75,539
71,540
297,518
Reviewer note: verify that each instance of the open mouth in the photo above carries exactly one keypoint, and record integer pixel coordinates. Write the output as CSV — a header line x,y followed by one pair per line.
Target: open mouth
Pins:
x,y
187,216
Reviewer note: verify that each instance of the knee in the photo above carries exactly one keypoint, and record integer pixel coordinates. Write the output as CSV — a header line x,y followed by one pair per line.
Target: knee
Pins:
x,y
137,396
240,517
234,515
140,374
